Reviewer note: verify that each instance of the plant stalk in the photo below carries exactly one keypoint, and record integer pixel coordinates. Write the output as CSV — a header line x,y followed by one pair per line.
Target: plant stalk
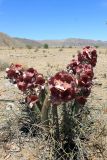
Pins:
x,y
44,112
55,122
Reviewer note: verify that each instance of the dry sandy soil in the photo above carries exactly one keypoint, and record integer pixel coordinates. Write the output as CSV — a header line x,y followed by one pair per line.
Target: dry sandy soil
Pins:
x,y
48,61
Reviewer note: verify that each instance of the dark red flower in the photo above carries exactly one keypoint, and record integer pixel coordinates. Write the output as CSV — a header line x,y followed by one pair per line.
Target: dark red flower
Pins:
x,y
31,100
94,53
18,67
72,66
79,68
87,47
68,95
62,87
81,100
55,95
31,72
80,57
22,86
84,81
85,69
40,79
32,76
93,62
13,72
85,91
31,79
89,56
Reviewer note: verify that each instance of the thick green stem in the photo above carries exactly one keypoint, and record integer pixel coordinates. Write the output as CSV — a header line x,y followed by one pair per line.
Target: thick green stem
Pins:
x,y
55,122
39,105
65,120
68,122
32,115
44,112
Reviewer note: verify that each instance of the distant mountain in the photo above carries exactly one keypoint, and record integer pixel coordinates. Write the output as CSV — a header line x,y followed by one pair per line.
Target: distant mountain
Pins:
x,y
74,42
8,41
32,43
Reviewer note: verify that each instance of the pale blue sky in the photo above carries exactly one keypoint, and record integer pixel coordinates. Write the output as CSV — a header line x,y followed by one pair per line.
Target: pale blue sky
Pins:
x,y
54,19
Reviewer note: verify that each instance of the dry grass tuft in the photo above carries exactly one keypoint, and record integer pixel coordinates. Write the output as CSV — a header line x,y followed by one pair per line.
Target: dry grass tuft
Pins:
x,y
3,65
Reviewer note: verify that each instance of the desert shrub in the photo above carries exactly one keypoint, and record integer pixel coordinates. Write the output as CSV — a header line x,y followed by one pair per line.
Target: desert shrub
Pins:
x,y
70,46
45,55
100,52
59,102
96,46
13,48
3,65
28,46
36,50
44,51
46,46
61,49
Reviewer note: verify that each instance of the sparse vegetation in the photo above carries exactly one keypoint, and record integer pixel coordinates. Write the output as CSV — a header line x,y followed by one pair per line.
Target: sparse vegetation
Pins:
x,y
28,46
96,46
28,131
3,65
46,46
61,49
13,48
61,97
36,50
44,51
70,46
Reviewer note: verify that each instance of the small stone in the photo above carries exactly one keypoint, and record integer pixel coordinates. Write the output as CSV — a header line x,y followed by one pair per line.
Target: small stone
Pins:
x,y
41,147
7,157
14,147
9,106
97,83
99,98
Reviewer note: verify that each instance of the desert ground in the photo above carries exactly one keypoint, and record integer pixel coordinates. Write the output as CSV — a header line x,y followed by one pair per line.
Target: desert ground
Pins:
x,y
48,62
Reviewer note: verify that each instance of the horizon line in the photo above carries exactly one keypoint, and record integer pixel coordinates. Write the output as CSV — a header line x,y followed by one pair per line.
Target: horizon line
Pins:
x,y
56,39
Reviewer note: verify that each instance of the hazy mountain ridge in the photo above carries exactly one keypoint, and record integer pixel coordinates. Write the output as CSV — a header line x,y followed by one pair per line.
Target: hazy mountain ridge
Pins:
x,y
30,42
8,41
74,42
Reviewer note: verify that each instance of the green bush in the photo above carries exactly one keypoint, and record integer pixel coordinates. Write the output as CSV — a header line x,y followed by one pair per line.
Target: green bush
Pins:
x,y
96,46
46,46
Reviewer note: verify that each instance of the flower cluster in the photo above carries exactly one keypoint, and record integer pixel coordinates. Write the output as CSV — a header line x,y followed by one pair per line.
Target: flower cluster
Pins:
x,y
29,81
73,84
62,87
89,55
14,72
76,82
